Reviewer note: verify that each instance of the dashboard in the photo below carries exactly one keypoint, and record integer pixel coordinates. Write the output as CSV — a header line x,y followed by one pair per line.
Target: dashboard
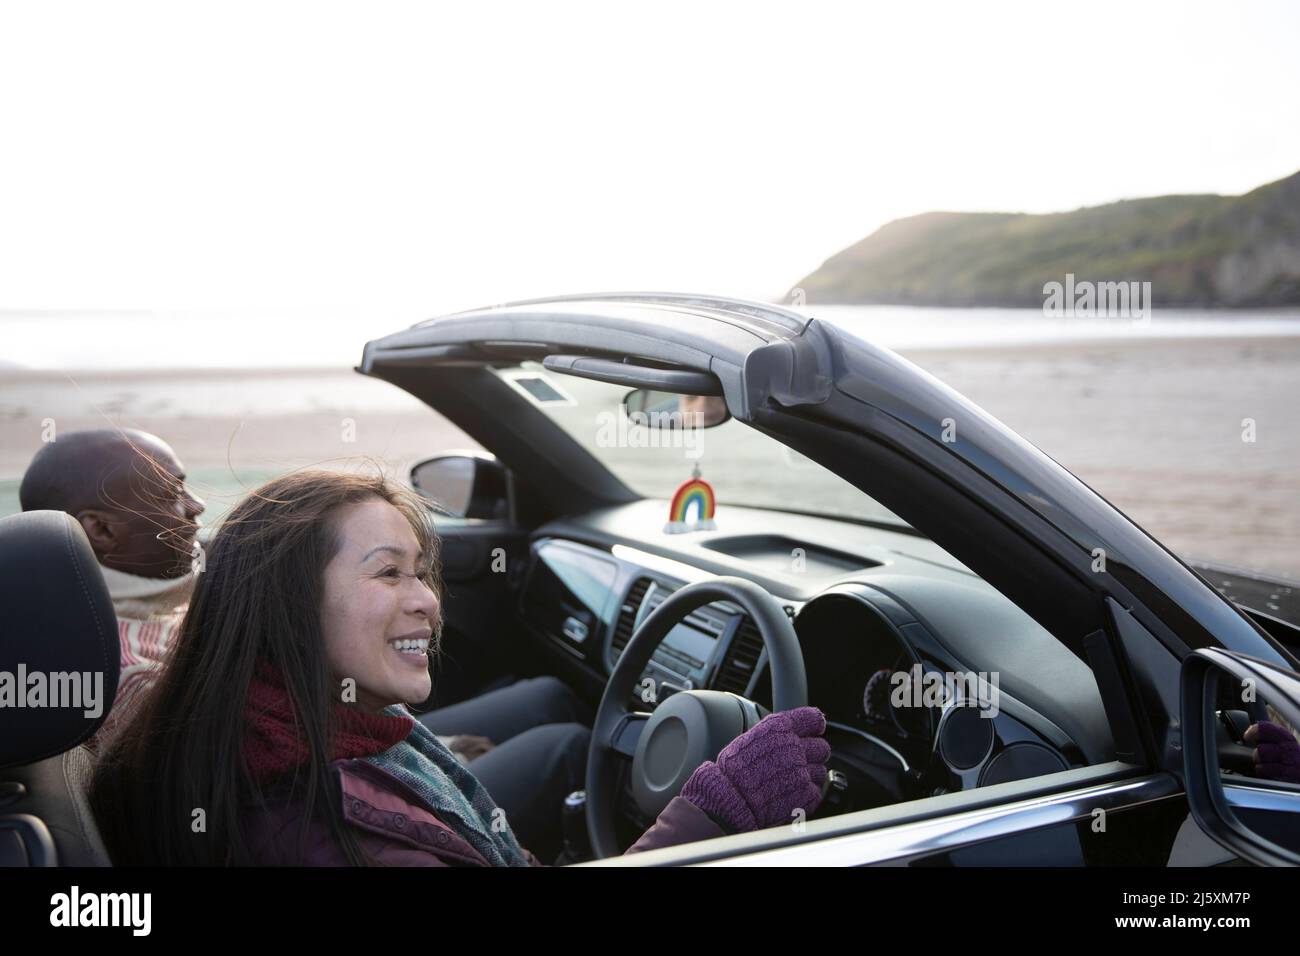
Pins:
x,y
896,636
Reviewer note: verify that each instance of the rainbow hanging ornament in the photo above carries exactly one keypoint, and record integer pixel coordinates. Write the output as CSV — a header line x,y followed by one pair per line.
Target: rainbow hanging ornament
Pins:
x,y
694,495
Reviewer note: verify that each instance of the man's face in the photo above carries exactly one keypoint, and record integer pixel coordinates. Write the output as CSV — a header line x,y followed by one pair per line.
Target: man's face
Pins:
x,y
155,515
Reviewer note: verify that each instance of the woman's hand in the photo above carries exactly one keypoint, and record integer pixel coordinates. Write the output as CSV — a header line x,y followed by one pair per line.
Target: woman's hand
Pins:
x,y
762,777
469,746
1277,752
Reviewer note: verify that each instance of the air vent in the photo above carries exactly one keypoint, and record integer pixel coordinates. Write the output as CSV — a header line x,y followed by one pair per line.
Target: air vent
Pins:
x,y
742,659
627,615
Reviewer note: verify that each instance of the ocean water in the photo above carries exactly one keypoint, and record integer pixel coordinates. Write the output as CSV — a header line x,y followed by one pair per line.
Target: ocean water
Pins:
x,y
166,340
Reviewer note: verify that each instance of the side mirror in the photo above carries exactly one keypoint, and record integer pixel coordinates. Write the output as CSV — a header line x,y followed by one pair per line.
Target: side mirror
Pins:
x,y
656,409
464,485
1241,754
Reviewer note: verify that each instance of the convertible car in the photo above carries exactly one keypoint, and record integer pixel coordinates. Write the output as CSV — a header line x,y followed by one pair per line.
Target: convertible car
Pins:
x,y
698,510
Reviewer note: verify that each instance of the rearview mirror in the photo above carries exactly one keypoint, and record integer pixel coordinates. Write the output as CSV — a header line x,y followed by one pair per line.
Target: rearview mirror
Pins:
x,y
653,409
1241,754
464,485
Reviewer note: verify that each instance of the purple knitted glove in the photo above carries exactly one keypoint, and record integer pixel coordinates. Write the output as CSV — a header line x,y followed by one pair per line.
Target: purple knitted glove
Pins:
x,y
1277,753
765,774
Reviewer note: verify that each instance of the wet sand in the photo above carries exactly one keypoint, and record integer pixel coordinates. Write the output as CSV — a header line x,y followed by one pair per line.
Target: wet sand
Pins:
x,y
1154,426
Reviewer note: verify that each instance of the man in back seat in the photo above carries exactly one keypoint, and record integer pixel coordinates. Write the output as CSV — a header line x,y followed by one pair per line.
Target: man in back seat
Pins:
x,y
526,742
127,490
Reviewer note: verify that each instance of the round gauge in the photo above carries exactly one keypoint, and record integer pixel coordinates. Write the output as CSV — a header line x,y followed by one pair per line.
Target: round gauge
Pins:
x,y
875,696
886,702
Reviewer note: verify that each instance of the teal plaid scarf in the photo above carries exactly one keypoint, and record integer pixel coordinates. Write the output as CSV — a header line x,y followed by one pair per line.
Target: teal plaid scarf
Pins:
x,y
424,764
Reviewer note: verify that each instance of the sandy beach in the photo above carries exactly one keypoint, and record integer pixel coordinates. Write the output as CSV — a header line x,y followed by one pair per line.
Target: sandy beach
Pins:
x,y
1155,426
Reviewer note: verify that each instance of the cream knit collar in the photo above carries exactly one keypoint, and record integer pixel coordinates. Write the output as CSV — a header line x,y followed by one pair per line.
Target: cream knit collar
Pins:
x,y
140,598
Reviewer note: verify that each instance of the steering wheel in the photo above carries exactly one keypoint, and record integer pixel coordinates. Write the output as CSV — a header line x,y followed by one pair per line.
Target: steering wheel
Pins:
x,y
690,727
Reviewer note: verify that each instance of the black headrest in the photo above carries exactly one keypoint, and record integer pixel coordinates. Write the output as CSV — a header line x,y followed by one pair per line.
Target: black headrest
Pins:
x,y
58,637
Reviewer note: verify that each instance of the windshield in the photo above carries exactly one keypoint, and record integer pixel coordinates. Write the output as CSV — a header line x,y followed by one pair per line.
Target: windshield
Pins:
x,y
743,466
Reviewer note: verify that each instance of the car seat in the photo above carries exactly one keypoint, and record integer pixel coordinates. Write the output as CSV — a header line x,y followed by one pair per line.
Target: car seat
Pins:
x,y
55,617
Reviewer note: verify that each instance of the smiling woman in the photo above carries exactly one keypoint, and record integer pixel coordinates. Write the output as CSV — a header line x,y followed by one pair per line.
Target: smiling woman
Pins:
x,y
379,589
302,562
278,732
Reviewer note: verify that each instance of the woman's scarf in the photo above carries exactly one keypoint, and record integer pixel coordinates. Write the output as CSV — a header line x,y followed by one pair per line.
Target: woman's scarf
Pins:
x,y
424,764
392,741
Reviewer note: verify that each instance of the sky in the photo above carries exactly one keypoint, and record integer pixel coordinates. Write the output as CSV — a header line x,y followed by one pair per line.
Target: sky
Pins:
x,y
409,159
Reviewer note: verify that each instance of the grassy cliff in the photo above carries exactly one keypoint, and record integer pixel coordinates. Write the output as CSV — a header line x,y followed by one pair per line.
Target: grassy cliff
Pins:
x,y
1199,251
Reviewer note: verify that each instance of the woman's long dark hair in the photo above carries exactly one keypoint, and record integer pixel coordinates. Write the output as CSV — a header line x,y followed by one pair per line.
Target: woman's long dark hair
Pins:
x,y
258,596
